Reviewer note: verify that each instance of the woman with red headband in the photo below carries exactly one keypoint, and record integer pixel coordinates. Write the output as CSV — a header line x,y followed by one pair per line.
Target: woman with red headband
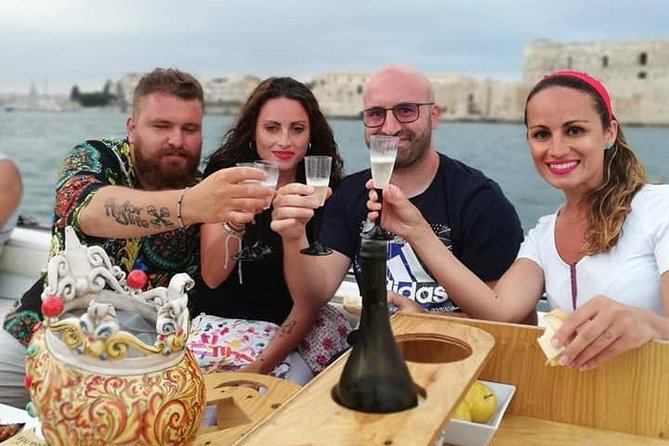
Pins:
x,y
604,255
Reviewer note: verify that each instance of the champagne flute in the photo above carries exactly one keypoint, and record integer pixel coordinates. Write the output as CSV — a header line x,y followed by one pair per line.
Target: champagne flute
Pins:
x,y
247,253
382,153
271,168
317,172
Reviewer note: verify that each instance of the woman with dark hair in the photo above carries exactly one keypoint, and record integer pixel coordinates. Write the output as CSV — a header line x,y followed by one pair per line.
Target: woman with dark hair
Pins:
x,y
249,319
603,256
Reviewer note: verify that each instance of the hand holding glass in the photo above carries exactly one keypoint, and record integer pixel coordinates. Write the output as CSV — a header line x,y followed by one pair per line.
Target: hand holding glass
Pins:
x,y
382,154
259,249
317,172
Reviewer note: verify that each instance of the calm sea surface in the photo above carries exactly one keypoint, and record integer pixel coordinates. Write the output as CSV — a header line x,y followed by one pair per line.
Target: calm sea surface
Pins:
x,y
38,141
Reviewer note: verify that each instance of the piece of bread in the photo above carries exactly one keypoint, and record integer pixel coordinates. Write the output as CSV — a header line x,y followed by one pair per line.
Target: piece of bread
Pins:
x,y
352,304
553,321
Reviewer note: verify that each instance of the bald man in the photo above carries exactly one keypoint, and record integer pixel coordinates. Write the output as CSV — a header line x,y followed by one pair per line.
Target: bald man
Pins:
x,y
466,210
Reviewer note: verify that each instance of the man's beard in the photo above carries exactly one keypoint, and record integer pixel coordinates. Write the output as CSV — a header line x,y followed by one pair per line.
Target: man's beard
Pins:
x,y
418,147
154,175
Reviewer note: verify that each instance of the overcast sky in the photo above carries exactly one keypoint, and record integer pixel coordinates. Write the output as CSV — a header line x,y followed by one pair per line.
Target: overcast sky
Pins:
x,y
59,43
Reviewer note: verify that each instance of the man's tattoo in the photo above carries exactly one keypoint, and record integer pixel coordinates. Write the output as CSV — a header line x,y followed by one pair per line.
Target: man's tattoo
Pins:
x,y
128,214
160,217
125,214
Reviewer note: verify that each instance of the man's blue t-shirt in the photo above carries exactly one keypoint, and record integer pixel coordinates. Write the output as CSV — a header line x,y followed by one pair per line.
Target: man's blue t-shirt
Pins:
x,y
467,211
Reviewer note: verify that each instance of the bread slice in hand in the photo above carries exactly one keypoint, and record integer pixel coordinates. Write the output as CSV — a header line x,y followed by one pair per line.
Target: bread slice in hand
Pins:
x,y
553,321
352,304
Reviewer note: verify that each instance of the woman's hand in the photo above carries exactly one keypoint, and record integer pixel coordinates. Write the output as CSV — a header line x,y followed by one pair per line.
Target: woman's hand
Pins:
x,y
399,215
601,330
294,206
404,304
254,367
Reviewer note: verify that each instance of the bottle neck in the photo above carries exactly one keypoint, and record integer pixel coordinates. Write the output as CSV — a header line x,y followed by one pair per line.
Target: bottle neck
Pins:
x,y
373,286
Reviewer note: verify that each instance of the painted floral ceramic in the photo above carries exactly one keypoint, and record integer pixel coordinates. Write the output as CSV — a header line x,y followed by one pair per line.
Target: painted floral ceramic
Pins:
x,y
95,380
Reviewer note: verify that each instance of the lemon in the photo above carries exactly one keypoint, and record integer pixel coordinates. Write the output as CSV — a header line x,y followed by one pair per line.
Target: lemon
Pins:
x,y
482,402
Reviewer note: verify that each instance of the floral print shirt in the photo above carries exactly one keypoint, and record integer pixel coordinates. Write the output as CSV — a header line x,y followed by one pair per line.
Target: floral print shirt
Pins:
x,y
88,167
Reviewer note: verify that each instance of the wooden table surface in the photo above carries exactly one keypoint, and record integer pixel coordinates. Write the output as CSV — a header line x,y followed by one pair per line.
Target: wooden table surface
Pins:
x,y
625,402
518,430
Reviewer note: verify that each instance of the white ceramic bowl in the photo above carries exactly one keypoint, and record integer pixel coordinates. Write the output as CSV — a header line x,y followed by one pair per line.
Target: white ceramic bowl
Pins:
x,y
465,433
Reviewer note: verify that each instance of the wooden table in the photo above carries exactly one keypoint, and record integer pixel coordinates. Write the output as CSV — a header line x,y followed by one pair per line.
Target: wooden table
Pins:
x,y
518,430
626,401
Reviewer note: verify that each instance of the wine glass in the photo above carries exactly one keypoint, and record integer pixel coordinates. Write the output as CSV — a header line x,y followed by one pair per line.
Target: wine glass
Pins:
x,y
382,153
250,253
271,168
317,172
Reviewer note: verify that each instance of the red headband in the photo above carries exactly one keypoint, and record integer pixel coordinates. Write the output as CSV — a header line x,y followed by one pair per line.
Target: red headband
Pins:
x,y
594,83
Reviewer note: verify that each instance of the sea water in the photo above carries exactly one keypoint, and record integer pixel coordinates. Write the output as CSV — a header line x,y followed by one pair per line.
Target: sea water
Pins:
x,y
39,141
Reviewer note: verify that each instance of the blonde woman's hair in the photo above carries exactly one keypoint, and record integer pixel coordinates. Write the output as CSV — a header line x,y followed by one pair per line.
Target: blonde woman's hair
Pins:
x,y
610,203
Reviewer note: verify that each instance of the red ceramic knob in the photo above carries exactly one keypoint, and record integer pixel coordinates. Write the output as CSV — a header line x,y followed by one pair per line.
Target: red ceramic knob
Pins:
x,y
137,279
52,306
27,381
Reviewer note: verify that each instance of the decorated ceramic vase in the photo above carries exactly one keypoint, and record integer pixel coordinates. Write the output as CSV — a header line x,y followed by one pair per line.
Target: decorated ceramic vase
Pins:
x,y
109,365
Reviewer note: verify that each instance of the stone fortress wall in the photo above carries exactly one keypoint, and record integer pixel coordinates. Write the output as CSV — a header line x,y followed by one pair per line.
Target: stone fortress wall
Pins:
x,y
636,72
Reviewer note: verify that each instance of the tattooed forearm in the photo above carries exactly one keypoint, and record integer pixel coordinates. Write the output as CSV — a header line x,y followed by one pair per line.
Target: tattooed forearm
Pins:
x,y
160,217
128,214
125,213
286,328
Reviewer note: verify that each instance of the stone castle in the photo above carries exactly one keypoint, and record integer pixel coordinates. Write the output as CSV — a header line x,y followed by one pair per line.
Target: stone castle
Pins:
x,y
635,72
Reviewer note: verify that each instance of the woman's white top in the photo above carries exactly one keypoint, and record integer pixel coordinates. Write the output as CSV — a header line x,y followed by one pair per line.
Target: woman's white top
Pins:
x,y
628,273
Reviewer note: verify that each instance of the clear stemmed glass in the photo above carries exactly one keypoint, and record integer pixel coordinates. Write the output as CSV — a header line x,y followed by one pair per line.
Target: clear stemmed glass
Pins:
x,y
272,170
258,249
382,153
317,172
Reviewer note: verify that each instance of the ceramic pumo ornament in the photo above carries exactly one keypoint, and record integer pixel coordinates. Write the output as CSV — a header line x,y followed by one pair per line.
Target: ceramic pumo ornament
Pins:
x,y
95,380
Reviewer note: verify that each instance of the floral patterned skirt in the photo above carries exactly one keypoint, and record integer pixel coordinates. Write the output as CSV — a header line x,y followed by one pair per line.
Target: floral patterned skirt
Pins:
x,y
224,344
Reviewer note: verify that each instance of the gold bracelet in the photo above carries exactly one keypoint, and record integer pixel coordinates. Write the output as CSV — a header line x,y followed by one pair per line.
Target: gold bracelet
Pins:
x,y
232,231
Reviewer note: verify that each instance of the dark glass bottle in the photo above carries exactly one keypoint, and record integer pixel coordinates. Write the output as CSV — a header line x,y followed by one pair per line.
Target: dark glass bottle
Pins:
x,y
375,377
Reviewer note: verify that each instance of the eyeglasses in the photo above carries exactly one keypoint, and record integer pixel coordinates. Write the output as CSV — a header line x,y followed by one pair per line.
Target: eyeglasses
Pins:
x,y
405,113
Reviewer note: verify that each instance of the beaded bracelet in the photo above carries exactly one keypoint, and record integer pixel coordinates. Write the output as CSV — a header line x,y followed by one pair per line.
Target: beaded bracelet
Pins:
x,y
232,231
179,203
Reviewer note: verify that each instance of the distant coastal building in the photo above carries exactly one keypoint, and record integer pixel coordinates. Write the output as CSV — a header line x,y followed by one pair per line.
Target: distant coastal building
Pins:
x,y
36,101
227,94
636,73
467,99
339,93
460,98
125,88
222,95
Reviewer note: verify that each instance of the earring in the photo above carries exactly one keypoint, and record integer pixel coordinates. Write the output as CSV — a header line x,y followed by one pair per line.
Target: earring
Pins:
x,y
309,147
251,145
608,146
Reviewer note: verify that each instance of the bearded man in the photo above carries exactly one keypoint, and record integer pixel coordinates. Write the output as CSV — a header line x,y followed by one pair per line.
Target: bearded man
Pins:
x,y
468,211
139,198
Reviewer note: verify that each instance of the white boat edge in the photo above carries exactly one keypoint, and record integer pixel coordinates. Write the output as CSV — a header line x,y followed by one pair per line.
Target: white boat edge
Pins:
x,y
26,253
24,257
22,260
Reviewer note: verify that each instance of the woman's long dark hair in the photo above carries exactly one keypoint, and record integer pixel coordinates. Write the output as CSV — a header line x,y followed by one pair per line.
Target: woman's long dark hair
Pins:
x,y
237,143
624,175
